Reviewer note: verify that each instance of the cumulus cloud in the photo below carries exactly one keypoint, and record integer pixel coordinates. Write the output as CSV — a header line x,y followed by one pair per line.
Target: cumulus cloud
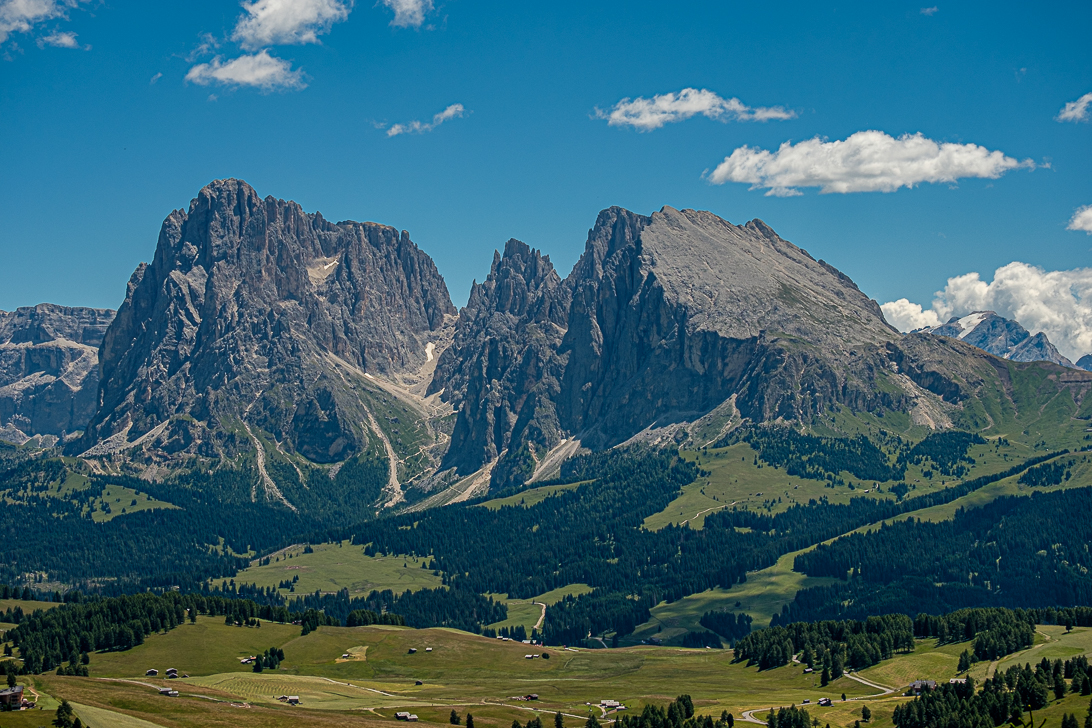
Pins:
x,y
1058,303
1081,220
259,70
20,16
408,13
60,40
1075,110
907,316
287,22
455,111
648,114
930,12
868,161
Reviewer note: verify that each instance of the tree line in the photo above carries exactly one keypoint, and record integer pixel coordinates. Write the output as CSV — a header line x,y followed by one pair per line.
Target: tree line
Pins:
x,y
1014,551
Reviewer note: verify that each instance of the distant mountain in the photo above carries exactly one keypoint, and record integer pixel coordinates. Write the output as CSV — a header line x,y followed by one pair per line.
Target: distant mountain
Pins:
x,y
1085,362
285,347
259,328
1001,337
49,373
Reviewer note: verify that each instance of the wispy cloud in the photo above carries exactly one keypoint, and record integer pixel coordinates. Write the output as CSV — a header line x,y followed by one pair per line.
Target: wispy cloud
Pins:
x,y
929,12
258,70
408,13
455,111
1075,110
648,114
287,22
155,78
20,16
61,40
868,161
1081,220
1058,303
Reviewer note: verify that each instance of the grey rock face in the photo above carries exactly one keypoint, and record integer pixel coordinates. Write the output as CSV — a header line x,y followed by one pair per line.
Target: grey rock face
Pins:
x,y
49,369
675,313
253,312
1001,337
502,371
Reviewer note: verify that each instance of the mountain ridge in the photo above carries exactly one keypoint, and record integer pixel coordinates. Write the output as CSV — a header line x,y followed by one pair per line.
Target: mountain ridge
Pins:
x,y
261,336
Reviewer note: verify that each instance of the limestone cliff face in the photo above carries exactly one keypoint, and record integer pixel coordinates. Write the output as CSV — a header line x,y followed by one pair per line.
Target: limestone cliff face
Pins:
x,y
49,369
501,372
253,312
675,313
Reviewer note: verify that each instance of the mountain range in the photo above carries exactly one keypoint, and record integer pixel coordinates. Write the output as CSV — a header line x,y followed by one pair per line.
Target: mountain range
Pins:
x,y
263,336
1004,338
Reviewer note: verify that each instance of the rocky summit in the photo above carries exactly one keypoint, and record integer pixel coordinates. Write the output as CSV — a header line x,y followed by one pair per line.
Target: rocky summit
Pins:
x,y
270,340
49,372
256,317
1001,337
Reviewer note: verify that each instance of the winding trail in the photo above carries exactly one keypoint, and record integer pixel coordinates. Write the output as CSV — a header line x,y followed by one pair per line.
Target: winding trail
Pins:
x,y
749,715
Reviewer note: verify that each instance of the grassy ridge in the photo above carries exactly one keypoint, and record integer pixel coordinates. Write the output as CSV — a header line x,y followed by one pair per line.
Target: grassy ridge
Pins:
x,y
334,566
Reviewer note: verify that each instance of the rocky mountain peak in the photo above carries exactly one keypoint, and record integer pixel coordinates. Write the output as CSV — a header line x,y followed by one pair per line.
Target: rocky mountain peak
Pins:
x,y
255,311
49,369
1001,337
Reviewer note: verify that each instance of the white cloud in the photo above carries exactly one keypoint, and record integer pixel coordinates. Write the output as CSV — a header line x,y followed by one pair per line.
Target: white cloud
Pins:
x,y
1081,220
868,161
1058,303
155,78
1075,110
20,16
907,316
287,22
455,111
259,70
930,12
408,13
60,40
648,114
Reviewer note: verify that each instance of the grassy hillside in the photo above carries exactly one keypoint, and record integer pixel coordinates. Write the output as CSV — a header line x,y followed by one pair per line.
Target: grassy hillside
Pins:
x,y
336,566
479,675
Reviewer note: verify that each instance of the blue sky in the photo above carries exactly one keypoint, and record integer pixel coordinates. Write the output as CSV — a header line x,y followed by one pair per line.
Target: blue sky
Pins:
x,y
115,112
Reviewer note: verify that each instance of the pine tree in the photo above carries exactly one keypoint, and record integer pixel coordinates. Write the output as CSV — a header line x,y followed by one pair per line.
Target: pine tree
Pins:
x,y
824,679
453,719
11,679
964,661
64,717
469,721
592,722
866,713
559,722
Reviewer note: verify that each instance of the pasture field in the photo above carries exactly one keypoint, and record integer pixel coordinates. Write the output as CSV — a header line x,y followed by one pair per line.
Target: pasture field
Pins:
x,y
204,648
528,612
27,606
529,497
122,501
474,674
336,566
761,596
736,480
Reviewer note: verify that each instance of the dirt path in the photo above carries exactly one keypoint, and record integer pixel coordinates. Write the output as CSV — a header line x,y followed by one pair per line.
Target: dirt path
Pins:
x,y
541,619
886,690
749,715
